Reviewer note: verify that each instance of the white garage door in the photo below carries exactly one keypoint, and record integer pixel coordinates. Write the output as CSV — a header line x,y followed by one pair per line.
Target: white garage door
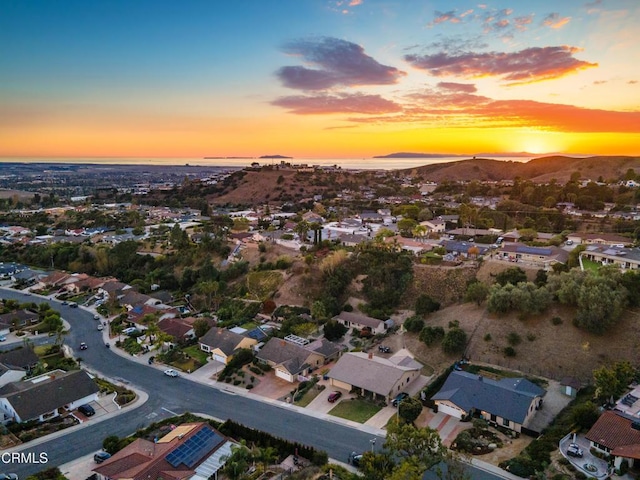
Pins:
x,y
284,375
219,358
447,410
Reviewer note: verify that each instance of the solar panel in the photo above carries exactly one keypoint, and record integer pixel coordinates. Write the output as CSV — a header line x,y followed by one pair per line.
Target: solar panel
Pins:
x,y
192,451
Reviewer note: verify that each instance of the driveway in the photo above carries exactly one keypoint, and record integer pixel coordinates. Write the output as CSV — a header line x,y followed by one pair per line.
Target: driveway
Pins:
x,y
588,461
552,404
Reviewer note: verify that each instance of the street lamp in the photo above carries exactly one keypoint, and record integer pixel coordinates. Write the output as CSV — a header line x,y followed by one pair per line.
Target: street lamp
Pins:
x,y
373,444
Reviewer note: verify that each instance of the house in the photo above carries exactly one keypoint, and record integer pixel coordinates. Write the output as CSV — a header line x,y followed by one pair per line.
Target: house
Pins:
x,y
616,435
189,451
600,239
291,361
222,343
539,256
21,358
509,402
10,374
132,299
360,321
113,290
437,225
464,249
20,318
376,377
624,258
46,396
178,328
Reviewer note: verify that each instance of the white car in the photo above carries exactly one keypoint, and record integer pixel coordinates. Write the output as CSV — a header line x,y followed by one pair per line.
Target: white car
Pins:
x,y
171,373
100,327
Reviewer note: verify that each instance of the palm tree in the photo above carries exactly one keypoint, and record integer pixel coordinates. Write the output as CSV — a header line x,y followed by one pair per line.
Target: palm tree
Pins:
x,y
302,228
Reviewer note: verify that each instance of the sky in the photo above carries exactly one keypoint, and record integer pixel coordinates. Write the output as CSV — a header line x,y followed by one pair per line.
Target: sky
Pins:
x,y
318,78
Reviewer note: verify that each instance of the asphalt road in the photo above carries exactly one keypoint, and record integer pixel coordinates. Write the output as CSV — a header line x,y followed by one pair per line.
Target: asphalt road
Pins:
x,y
168,396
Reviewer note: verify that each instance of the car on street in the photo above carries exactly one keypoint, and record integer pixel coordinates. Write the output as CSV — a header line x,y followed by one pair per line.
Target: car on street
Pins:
x,y
401,396
100,327
73,305
83,346
96,317
8,476
87,410
334,396
101,457
64,302
3,338
171,373
574,451
355,458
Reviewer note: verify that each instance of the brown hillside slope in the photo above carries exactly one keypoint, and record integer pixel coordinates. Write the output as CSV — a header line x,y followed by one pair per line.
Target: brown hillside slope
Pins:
x,y
538,170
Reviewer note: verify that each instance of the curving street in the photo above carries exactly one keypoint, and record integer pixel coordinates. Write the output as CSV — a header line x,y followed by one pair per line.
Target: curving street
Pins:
x,y
174,395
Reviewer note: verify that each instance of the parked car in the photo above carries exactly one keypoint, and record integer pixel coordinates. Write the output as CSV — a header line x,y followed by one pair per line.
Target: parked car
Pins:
x,y
96,317
87,410
83,346
171,373
73,305
575,451
401,396
100,327
355,458
8,476
101,457
130,331
64,302
334,396
3,338
383,349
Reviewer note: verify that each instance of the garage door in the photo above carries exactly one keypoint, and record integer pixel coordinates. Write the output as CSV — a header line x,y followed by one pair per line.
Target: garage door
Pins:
x,y
447,410
284,375
220,358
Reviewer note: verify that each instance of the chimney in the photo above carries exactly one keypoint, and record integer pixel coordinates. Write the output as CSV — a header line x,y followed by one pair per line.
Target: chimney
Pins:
x,y
370,355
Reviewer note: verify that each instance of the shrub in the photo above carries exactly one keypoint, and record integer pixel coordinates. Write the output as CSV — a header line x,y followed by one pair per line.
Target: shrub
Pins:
x,y
487,337
425,305
430,335
531,336
556,321
514,339
454,341
509,352
414,324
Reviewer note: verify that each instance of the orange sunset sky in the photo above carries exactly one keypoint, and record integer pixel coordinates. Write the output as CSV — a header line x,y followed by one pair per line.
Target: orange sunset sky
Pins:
x,y
318,79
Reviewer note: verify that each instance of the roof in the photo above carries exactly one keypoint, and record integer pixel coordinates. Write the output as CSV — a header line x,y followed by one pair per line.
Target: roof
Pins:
x,y
375,374
176,327
613,431
30,400
508,398
222,339
359,319
571,382
281,352
170,458
19,315
20,357
323,347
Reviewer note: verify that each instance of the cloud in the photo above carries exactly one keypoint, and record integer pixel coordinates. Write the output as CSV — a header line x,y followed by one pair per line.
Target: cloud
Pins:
x,y
553,20
442,17
525,66
337,103
354,3
632,82
340,63
599,82
522,21
448,104
458,87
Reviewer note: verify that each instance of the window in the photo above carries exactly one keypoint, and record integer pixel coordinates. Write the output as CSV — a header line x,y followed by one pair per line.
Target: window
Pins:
x,y
493,417
505,422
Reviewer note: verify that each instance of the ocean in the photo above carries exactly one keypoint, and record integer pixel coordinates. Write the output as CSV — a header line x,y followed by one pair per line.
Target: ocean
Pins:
x,y
345,163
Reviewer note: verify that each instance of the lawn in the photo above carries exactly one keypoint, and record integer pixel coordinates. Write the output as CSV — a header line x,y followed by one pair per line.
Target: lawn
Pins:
x,y
591,265
357,410
312,393
194,352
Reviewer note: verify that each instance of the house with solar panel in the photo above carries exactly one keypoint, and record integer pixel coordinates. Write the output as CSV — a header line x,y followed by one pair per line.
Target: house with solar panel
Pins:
x,y
543,257
194,451
509,402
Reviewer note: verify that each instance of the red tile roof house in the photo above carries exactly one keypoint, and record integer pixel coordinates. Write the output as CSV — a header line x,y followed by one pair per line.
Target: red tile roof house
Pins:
x,y
193,451
616,436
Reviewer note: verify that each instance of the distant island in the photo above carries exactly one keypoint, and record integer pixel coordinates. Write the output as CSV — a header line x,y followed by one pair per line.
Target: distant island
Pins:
x,y
228,158
453,155
274,156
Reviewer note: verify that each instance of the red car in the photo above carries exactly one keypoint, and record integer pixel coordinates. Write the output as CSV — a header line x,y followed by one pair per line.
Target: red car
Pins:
x,y
333,396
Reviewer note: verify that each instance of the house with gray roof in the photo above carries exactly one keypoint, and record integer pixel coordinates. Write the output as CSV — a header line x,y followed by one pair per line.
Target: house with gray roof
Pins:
x,y
375,377
360,321
22,358
291,361
540,256
222,344
46,396
19,318
509,402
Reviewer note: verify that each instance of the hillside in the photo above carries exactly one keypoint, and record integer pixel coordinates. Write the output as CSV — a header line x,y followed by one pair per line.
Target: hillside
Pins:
x,y
538,170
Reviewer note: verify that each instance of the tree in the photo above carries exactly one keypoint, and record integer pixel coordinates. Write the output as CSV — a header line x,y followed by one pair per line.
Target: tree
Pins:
x,y
334,330
200,327
612,381
409,409
476,292
454,341
419,447
413,324
513,275
376,465
585,415
406,226
319,311
425,305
